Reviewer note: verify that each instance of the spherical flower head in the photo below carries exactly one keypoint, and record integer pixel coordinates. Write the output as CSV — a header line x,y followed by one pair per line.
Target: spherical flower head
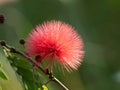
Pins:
x,y
58,41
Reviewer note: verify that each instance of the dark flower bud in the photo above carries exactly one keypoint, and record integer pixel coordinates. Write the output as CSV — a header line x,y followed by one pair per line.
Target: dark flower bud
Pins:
x,y
3,43
2,19
22,41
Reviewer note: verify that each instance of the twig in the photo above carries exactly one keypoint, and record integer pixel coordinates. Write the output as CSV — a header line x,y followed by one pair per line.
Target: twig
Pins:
x,y
60,83
51,76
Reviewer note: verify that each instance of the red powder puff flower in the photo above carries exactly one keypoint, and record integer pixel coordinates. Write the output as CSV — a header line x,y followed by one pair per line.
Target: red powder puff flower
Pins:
x,y
57,41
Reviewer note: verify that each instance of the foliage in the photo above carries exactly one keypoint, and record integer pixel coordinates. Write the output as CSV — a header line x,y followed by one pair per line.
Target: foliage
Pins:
x,y
3,74
29,75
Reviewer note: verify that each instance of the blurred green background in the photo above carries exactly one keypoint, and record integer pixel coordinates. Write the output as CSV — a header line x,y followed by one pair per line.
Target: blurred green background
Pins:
x,y
98,23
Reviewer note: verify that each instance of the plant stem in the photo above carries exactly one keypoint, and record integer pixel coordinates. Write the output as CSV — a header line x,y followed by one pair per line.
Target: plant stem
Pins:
x,y
51,76
60,83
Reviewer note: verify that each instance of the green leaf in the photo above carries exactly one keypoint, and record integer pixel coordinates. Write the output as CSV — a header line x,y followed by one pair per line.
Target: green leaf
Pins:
x,y
44,87
3,74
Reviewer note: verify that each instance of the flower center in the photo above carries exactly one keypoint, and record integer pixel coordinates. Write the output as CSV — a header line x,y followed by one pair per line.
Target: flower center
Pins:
x,y
51,50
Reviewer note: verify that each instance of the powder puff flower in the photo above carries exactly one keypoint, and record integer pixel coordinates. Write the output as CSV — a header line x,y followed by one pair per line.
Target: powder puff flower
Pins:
x,y
57,41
